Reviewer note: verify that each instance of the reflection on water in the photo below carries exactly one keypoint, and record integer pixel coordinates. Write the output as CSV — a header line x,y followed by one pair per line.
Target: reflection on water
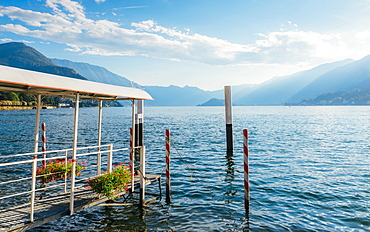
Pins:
x,y
308,167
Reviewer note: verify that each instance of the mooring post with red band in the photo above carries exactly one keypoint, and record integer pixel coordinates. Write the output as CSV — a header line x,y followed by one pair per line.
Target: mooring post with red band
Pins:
x,y
43,138
246,171
168,160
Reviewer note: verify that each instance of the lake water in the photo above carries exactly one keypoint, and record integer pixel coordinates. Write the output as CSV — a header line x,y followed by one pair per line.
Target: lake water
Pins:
x,y
309,167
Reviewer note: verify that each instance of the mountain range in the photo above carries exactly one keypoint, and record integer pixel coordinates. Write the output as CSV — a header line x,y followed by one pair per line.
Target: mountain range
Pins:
x,y
353,97
345,75
18,55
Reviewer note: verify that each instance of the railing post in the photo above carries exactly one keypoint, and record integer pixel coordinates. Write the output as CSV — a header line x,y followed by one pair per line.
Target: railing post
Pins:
x,y
246,171
43,138
142,175
110,158
168,160
65,175
33,193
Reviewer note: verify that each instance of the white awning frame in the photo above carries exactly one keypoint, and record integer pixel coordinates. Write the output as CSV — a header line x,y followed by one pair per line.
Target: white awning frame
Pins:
x,y
31,82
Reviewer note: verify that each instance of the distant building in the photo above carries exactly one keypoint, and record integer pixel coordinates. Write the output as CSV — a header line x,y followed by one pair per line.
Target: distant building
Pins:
x,y
61,105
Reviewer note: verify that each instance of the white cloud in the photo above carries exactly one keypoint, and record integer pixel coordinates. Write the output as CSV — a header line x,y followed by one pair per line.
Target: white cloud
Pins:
x,y
68,25
7,40
129,7
287,46
74,8
99,1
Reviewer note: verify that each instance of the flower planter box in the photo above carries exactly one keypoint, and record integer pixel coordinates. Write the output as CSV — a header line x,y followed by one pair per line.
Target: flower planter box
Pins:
x,y
57,170
110,184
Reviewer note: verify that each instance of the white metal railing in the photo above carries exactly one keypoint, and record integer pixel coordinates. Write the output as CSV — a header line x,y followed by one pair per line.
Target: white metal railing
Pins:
x,y
66,154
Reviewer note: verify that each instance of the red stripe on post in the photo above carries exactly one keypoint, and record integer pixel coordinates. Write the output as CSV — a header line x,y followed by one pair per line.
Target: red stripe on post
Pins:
x,y
131,137
246,171
43,138
246,185
168,160
245,133
246,168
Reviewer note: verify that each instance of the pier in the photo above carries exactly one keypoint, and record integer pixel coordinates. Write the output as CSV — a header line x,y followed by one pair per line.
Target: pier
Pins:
x,y
32,199
54,207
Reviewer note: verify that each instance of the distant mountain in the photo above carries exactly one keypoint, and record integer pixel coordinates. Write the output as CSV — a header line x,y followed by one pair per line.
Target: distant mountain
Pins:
x,y
163,96
344,75
279,89
19,55
214,102
94,73
179,96
355,75
353,97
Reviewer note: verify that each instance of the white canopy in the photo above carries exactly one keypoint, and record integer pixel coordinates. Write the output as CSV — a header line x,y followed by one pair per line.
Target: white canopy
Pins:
x,y
31,82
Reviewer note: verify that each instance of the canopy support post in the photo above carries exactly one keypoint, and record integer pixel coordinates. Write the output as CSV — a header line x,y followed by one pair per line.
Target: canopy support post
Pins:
x,y
140,120
35,149
142,176
74,153
133,146
37,124
98,172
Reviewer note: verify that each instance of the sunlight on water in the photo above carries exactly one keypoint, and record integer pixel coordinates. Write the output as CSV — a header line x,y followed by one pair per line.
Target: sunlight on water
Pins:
x,y
309,167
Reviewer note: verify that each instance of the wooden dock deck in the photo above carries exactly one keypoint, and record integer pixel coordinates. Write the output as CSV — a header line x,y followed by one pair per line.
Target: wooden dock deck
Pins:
x,y
51,208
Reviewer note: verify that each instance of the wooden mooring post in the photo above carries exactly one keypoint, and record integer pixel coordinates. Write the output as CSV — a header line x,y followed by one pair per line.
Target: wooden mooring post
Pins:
x,y
246,171
229,120
168,160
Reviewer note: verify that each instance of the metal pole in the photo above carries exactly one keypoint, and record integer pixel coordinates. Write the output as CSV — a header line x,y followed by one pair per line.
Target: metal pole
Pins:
x,y
37,124
133,147
98,171
168,160
246,171
142,175
110,158
34,164
65,175
74,153
228,114
43,138
140,121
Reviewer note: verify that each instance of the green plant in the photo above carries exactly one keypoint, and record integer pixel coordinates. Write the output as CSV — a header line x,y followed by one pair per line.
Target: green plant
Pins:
x,y
111,183
56,170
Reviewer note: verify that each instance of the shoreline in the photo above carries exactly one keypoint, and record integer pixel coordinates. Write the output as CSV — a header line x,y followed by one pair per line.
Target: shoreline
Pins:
x,y
16,108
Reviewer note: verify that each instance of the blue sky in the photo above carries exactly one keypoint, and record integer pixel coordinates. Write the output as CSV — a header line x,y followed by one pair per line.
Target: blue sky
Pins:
x,y
203,43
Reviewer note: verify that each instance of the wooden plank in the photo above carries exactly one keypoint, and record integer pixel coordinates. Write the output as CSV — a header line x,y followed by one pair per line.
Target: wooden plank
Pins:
x,y
54,207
